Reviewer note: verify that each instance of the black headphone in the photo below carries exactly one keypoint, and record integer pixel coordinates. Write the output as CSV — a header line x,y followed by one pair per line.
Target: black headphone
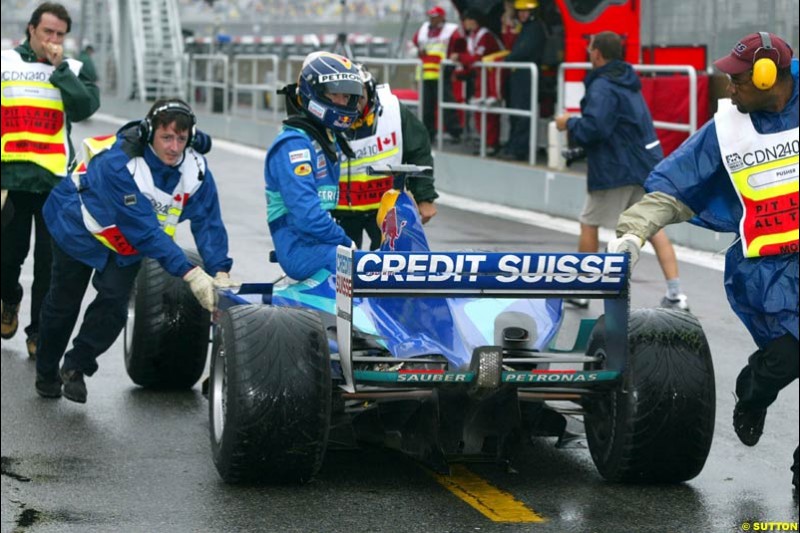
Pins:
x,y
765,68
146,131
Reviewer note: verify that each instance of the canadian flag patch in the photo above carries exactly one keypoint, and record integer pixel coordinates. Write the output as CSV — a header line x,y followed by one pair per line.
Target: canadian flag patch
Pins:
x,y
181,199
385,143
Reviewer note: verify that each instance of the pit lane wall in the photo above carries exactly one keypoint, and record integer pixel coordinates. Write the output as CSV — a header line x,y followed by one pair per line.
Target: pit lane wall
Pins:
x,y
539,189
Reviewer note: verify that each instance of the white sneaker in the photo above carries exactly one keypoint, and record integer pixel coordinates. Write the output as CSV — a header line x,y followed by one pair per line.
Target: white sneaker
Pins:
x,y
681,303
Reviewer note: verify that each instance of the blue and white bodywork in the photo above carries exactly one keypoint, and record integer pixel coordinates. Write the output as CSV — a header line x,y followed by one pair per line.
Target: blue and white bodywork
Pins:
x,y
415,303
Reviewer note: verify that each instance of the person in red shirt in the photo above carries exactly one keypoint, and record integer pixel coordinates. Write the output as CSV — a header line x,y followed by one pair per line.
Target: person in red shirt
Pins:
x,y
436,40
482,45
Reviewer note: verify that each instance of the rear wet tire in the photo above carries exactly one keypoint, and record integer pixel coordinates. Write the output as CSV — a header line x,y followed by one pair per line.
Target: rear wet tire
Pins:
x,y
269,394
166,336
658,424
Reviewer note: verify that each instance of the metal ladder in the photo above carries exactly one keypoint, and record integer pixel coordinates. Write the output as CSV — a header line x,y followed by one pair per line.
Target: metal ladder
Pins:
x,y
100,28
141,58
158,48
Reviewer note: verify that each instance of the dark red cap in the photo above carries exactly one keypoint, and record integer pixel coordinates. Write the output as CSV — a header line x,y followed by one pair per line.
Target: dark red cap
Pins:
x,y
436,11
751,48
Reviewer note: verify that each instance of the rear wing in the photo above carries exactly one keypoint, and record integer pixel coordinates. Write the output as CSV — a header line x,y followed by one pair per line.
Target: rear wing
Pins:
x,y
478,275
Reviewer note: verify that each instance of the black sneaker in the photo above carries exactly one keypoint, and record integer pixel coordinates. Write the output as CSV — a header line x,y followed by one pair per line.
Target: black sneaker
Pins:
x,y
748,424
48,388
74,386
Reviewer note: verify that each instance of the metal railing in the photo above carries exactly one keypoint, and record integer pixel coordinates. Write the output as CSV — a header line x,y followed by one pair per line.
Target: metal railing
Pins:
x,y
215,70
254,62
211,81
689,127
482,107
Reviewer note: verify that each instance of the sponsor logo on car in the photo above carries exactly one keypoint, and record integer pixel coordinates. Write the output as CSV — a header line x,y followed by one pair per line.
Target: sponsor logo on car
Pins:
x,y
344,286
433,377
503,268
557,376
392,227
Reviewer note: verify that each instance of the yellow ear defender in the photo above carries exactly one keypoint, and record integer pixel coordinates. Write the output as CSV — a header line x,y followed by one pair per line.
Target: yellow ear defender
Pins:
x,y
765,69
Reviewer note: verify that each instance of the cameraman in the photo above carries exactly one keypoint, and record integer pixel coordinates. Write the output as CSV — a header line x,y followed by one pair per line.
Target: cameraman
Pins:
x,y
616,131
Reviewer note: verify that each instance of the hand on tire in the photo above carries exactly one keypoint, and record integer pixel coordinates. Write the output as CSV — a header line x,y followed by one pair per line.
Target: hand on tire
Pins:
x,y
628,243
202,286
223,281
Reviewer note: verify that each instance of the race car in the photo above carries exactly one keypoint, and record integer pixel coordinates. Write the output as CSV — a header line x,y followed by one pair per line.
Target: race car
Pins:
x,y
441,355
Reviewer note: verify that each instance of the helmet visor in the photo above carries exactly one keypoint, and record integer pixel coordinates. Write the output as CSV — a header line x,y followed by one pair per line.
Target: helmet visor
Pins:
x,y
341,83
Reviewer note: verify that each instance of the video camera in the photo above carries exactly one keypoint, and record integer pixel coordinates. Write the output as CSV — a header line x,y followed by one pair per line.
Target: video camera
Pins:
x,y
573,154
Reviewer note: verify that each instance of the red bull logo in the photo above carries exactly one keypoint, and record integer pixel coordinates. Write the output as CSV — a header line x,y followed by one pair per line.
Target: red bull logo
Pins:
x,y
390,227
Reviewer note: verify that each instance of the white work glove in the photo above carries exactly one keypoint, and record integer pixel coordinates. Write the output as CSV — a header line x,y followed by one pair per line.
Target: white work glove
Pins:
x,y
202,286
353,245
223,281
628,243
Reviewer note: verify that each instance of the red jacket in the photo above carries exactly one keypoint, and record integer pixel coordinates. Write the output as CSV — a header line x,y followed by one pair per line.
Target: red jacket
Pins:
x,y
480,43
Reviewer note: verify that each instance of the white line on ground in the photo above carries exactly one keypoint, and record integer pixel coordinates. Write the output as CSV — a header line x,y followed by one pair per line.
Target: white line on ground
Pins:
x,y
714,261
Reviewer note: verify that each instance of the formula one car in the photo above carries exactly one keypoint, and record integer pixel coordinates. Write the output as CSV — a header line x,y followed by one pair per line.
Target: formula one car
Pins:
x,y
440,355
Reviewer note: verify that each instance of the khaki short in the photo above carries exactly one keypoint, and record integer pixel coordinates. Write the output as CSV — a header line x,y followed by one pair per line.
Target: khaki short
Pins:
x,y
603,208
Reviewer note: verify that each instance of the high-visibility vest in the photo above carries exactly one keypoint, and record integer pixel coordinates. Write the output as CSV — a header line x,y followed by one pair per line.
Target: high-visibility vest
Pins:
x,y
168,206
764,171
359,191
34,124
434,49
93,146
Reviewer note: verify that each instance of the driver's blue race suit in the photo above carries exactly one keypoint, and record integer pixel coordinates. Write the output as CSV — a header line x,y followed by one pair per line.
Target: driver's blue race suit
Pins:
x,y
763,291
302,186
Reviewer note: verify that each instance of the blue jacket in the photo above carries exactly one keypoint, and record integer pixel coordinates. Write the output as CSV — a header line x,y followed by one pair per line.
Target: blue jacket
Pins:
x,y
615,129
763,291
302,186
112,197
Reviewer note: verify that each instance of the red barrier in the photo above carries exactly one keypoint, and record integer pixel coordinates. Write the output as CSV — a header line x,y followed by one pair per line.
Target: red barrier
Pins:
x,y
668,100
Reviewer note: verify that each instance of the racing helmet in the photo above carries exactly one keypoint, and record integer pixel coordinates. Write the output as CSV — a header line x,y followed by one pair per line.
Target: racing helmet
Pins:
x,y
367,117
324,73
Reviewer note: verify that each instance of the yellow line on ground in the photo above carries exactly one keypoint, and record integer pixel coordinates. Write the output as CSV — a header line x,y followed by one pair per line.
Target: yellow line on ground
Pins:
x,y
495,504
